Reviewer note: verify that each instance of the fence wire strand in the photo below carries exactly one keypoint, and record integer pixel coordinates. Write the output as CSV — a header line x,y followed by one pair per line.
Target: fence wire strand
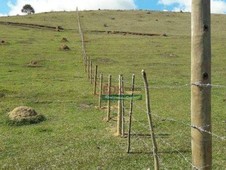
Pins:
x,y
186,126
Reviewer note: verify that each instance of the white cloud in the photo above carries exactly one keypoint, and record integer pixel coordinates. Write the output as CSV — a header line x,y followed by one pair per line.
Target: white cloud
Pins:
x,y
70,5
2,15
217,6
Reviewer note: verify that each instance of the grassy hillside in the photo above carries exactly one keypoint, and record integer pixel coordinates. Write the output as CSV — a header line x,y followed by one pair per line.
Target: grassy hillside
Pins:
x,y
75,135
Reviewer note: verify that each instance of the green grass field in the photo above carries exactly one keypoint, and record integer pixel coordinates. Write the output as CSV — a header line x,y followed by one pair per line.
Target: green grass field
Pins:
x,y
75,134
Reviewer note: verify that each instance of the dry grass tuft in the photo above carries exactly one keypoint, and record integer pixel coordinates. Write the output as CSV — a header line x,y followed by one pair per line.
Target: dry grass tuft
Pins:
x,y
64,39
64,47
34,63
24,115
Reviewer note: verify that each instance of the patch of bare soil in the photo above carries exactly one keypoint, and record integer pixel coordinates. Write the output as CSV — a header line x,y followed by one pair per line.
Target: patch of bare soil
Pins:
x,y
3,42
64,40
64,47
84,106
57,28
34,63
129,33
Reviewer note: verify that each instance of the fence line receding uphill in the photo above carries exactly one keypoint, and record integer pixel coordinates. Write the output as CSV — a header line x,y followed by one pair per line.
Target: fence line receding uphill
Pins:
x,y
131,121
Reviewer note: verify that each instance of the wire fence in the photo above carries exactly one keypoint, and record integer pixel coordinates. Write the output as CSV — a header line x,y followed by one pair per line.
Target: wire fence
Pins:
x,y
172,130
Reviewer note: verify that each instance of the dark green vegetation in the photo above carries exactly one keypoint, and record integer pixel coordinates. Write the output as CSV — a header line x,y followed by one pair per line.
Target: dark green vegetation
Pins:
x,y
35,72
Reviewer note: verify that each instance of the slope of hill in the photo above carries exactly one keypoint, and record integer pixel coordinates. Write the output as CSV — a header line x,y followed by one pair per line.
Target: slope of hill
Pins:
x,y
36,72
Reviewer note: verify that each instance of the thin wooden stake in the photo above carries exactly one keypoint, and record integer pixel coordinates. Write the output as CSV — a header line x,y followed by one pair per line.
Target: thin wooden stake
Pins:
x,y
95,81
155,149
109,101
123,106
119,117
91,71
131,113
87,66
100,90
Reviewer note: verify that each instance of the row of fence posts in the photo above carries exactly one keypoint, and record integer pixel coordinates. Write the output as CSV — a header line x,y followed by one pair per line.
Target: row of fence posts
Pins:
x,y
93,79
120,131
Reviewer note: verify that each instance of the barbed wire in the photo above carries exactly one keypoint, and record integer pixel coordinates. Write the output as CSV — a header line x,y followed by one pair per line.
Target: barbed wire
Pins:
x,y
167,86
185,124
174,149
138,137
162,118
222,138
199,84
201,129
147,128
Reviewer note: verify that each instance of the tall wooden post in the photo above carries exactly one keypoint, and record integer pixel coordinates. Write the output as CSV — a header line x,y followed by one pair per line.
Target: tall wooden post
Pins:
x,y
201,88
130,114
91,71
109,101
119,117
95,81
122,106
88,67
100,89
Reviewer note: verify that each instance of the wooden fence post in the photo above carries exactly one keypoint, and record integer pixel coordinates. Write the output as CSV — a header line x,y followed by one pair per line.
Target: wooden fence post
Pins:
x,y
155,149
91,71
88,67
123,105
95,81
201,85
131,113
119,117
109,100
100,90
85,64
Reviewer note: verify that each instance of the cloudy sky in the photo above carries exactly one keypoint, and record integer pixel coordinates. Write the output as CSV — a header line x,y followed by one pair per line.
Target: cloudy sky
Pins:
x,y
13,7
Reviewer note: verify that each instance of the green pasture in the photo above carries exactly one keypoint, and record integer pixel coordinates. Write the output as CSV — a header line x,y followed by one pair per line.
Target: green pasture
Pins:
x,y
35,72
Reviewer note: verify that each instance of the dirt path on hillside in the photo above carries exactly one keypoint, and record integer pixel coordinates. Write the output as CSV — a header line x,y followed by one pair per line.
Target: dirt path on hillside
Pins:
x,y
57,28
128,33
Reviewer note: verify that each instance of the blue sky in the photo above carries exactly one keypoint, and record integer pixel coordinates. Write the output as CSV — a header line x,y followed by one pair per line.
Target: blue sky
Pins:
x,y
145,4
140,4
3,6
13,7
153,5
